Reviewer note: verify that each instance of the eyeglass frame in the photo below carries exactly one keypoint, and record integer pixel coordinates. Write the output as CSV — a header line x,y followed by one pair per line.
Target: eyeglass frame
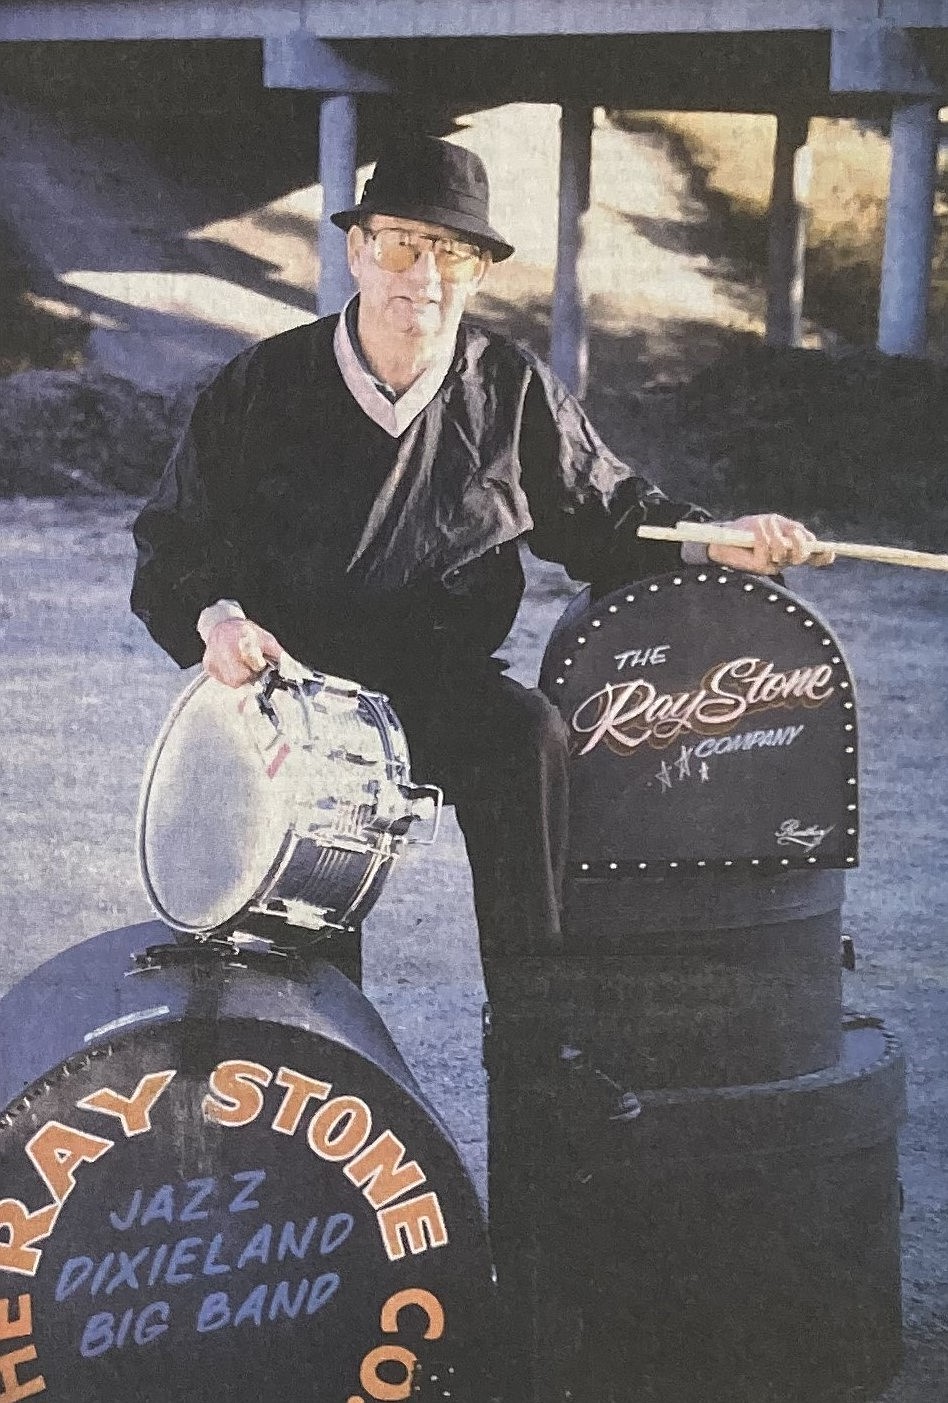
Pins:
x,y
477,255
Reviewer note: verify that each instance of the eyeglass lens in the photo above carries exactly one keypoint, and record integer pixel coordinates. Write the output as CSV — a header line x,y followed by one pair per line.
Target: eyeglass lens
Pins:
x,y
397,250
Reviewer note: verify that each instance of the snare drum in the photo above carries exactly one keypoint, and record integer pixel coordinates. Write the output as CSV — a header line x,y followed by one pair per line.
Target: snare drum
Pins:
x,y
289,797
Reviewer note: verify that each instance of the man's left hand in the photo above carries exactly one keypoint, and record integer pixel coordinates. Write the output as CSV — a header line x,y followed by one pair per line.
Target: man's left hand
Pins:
x,y
778,542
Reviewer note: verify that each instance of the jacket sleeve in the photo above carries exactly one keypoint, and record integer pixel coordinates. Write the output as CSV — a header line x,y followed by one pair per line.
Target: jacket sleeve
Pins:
x,y
587,504
187,558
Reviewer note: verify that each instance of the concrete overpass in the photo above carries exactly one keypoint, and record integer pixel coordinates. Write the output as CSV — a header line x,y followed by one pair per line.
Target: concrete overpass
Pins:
x,y
880,58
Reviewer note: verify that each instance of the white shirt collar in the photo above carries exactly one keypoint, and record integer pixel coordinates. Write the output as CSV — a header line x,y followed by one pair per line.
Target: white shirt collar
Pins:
x,y
393,417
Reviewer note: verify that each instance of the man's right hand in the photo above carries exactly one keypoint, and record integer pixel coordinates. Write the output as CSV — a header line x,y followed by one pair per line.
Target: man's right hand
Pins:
x,y
238,650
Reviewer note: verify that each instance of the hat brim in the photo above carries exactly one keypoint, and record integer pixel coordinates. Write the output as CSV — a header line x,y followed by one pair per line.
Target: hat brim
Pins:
x,y
477,230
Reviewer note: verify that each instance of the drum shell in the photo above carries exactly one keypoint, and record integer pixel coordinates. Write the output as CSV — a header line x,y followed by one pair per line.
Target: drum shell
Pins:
x,y
707,985
727,1245
321,876
303,807
91,1019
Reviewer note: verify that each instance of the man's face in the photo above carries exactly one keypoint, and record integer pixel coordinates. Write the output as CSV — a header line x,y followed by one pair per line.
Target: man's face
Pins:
x,y
423,300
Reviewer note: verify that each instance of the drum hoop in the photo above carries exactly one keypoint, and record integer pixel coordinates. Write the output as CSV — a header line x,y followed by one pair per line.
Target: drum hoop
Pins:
x,y
381,852
274,871
387,724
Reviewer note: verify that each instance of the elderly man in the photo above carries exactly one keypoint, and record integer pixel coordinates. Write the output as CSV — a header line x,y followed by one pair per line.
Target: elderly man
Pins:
x,y
354,491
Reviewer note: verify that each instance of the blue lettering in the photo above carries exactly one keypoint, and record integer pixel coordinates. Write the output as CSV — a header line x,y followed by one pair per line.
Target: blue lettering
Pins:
x,y
211,1266
203,1189
105,1266
122,1224
125,1324
182,1255
152,1322
324,1288
127,1269
251,1179
289,1243
213,1313
161,1252
338,1228
161,1206
252,1307
258,1248
281,1303
97,1336
74,1273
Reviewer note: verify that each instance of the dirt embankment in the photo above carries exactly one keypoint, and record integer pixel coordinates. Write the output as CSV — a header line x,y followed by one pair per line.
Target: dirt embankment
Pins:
x,y
169,278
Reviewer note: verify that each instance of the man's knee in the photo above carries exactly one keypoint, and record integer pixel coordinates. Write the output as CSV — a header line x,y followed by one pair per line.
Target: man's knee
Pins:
x,y
538,724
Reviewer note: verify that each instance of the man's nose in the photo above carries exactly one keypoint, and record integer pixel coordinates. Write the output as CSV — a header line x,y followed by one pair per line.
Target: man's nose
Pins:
x,y
425,267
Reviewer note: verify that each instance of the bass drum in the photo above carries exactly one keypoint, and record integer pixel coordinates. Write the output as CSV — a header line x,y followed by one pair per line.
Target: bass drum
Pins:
x,y
289,797
238,1190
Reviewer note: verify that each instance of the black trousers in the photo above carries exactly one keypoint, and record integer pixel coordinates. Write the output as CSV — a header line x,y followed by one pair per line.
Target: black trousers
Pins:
x,y
500,752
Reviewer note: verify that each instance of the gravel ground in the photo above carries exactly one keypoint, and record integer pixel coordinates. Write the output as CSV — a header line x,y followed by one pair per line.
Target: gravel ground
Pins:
x,y
84,691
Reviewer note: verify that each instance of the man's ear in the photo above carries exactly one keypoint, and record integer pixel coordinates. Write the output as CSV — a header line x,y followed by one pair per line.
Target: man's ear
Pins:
x,y
355,243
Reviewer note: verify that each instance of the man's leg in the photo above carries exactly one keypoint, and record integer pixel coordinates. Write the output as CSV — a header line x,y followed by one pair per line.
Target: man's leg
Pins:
x,y
511,800
512,806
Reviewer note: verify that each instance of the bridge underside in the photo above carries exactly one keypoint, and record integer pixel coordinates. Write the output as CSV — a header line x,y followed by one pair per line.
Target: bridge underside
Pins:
x,y
874,71
762,72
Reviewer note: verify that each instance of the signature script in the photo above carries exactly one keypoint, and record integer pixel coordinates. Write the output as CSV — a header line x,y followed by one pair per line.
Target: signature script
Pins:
x,y
624,715
791,832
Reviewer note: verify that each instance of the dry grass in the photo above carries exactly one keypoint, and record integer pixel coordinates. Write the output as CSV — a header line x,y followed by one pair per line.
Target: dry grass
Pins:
x,y
731,158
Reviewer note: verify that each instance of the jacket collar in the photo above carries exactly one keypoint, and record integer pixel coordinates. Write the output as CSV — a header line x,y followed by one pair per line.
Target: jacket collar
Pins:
x,y
391,414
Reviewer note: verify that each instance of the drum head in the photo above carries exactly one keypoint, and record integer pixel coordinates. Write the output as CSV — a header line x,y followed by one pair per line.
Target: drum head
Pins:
x,y
213,815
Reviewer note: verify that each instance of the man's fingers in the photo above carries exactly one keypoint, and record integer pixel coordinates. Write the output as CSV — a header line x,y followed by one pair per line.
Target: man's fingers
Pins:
x,y
778,542
238,650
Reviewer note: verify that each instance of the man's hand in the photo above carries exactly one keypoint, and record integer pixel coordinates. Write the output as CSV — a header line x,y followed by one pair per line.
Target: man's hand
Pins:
x,y
238,650
778,542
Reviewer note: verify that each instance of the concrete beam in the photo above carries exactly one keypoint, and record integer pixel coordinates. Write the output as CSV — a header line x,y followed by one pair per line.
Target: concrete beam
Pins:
x,y
446,18
338,133
915,14
147,19
786,251
879,59
357,19
303,61
569,333
909,230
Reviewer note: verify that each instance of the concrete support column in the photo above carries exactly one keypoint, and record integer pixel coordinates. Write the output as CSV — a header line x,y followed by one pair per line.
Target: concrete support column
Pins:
x,y
909,230
338,129
786,249
569,337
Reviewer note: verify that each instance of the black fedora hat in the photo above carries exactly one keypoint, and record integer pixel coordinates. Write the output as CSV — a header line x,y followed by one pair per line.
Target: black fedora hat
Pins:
x,y
423,177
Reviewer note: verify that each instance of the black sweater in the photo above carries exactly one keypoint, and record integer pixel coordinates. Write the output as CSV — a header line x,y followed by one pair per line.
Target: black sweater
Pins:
x,y
389,560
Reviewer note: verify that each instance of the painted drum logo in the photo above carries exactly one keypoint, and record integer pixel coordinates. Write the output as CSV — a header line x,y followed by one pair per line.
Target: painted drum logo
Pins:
x,y
623,716
339,1128
792,833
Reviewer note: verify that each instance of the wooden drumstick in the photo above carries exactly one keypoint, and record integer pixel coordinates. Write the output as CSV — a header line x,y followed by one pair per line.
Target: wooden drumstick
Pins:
x,y
706,533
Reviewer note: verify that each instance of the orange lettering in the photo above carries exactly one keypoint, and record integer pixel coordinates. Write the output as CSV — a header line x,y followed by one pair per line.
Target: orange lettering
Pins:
x,y
10,1386
380,1388
414,1296
133,1111
56,1150
22,1322
237,1086
299,1091
420,1219
17,1254
379,1171
325,1136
